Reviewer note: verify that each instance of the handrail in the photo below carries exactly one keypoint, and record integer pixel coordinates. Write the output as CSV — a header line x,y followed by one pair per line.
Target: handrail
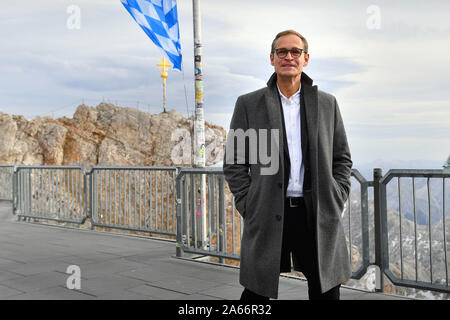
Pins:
x,y
434,251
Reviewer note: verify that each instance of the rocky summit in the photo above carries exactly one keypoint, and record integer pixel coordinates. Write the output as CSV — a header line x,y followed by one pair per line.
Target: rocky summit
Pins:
x,y
106,135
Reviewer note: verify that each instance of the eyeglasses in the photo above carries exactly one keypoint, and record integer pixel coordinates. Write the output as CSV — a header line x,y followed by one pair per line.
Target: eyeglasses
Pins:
x,y
295,52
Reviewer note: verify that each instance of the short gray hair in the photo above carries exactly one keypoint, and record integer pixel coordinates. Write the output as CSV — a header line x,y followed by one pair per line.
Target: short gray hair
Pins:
x,y
286,32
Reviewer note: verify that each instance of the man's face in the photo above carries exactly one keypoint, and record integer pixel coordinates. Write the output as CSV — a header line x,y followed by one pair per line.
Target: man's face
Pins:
x,y
288,66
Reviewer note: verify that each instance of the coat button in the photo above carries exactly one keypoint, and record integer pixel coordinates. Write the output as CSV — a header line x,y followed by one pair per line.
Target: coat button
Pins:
x,y
278,217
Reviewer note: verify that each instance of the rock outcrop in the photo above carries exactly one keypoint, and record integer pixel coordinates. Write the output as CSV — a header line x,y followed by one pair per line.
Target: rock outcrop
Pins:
x,y
105,135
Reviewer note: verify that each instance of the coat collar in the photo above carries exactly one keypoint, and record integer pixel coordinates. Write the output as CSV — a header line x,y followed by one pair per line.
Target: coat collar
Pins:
x,y
311,109
309,93
305,80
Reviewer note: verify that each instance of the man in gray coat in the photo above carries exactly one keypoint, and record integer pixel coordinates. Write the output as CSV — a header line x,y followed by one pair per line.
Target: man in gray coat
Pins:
x,y
291,204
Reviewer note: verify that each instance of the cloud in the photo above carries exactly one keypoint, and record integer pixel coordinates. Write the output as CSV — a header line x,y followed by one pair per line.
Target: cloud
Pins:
x,y
391,83
366,149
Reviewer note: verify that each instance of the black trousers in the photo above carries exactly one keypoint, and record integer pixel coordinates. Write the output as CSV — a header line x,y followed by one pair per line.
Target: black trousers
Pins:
x,y
299,243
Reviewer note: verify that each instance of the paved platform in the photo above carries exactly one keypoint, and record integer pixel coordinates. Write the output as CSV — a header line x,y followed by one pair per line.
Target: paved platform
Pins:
x,y
34,259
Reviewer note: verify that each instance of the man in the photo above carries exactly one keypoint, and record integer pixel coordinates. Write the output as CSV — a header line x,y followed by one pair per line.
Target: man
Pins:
x,y
294,212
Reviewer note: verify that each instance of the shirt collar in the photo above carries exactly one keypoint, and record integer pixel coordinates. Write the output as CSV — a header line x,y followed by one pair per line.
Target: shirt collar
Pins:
x,y
294,96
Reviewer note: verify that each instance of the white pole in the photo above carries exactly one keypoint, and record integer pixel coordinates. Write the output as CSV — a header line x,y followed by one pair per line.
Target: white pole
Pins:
x,y
199,130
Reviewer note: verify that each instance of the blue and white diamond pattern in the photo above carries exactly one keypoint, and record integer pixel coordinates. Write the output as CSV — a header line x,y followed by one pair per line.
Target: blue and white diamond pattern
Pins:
x,y
159,20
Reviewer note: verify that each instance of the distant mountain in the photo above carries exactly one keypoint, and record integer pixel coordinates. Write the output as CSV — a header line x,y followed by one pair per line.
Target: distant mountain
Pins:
x,y
408,203
402,254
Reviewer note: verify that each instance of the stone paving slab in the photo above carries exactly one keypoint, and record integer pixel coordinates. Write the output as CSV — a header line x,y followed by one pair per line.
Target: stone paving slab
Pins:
x,y
6,292
34,259
159,293
6,275
53,293
223,291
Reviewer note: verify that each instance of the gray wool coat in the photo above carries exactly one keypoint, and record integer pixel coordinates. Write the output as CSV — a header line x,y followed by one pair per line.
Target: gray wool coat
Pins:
x,y
260,198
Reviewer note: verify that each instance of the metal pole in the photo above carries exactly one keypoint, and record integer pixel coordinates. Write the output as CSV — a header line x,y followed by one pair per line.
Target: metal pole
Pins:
x,y
199,129
164,95
377,175
164,65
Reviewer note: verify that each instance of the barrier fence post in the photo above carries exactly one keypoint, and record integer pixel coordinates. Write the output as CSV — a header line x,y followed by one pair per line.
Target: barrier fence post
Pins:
x,y
92,199
14,191
377,174
179,250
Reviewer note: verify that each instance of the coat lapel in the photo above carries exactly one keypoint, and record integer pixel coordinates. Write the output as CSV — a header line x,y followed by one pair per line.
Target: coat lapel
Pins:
x,y
311,109
274,111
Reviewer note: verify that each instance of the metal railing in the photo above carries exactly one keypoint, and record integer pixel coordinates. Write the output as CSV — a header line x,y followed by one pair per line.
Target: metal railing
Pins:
x,y
218,234
6,174
50,192
131,198
412,231
355,218
222,224
134,198
408,221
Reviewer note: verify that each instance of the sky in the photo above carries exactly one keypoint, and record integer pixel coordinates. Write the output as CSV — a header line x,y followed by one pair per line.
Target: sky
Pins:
x,y
386,62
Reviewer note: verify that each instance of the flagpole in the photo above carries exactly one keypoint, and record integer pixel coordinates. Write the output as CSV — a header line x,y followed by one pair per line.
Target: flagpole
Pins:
x,y
199,129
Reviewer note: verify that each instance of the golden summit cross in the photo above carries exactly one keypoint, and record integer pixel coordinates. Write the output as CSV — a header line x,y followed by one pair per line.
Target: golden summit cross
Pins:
x,y
164,65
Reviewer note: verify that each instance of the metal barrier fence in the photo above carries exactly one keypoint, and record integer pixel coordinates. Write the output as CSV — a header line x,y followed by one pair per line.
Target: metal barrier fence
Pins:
x,y
218,232
409,225
222,224
6,174
50,192
134,198
412,230
355,218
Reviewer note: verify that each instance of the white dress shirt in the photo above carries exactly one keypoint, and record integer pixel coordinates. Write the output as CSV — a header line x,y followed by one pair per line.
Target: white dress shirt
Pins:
x,y
291,112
